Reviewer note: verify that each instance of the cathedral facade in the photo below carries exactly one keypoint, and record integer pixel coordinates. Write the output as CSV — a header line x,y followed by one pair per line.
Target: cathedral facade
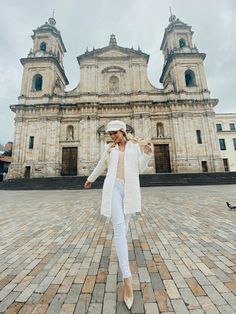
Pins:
x,y
59,132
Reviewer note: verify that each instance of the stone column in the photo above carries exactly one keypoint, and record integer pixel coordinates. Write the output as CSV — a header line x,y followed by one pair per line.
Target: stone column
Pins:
x,y
42,139
146,126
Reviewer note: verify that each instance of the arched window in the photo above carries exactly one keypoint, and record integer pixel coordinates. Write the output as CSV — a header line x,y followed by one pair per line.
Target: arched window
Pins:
x,y
160,129
43,46
190,78
114,84
37,82
70,133
182,43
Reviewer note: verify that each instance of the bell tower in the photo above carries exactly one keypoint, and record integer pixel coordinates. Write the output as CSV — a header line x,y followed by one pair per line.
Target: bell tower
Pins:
x,y
43,68
183,69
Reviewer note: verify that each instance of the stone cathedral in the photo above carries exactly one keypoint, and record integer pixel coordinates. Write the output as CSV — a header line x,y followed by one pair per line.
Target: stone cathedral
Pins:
x,y
62,133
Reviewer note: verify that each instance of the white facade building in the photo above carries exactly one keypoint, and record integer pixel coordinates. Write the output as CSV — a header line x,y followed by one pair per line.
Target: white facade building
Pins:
x,y
226,132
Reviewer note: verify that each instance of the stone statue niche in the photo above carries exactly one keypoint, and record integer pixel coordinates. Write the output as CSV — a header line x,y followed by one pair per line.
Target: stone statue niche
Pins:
x,y
70,133
160,130
114,84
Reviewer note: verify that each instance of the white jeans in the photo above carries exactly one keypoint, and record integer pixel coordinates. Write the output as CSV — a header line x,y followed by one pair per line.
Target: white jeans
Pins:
x,y
120,223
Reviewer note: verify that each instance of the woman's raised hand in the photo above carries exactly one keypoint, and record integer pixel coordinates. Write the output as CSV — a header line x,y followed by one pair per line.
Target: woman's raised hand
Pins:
x,y
148,148
87,184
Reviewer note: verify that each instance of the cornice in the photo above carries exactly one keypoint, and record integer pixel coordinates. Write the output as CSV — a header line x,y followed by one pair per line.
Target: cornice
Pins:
x,y
43,59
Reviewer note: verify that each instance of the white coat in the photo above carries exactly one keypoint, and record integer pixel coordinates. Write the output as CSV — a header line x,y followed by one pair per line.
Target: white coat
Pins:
x,y
135,162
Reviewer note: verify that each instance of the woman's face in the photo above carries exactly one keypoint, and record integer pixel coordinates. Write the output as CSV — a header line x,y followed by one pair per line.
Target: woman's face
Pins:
x,y
117,136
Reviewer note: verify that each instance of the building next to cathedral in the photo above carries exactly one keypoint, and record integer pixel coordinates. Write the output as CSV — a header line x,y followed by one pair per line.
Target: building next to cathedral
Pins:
x,y
60,132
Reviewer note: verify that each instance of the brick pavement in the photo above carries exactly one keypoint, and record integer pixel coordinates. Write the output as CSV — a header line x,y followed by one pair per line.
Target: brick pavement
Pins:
x,y
57,253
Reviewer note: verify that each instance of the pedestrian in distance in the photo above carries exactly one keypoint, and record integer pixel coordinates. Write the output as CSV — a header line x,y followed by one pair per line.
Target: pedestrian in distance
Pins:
x,y
124,158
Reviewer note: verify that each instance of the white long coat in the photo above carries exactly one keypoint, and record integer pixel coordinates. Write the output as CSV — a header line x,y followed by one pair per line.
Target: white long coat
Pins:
x,y
135,162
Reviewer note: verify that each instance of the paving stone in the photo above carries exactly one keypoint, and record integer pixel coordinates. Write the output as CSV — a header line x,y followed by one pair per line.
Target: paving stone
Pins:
x,y
148,293
179,280
201,278
138,306
26,309
163,301
218,284
49,294
83,304
196,311
6,290
214,295
232,286
195,287
163,270
151,308
8,300
28,291
109,304
207,305
143,274
229,297
226,309
14,308
67,309
89,284
157,282
171,289
111,284
66,284
34,298
73,293
95,308
179,306
56,304
189,299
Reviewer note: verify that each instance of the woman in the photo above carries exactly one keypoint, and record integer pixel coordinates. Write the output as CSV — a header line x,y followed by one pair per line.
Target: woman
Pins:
x,y
124,159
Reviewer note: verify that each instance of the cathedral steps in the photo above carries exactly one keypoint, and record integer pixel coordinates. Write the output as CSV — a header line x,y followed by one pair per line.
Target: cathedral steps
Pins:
x,y
160,179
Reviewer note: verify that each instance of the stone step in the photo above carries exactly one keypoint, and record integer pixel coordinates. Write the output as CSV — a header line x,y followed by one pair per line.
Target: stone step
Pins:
x,y
159,179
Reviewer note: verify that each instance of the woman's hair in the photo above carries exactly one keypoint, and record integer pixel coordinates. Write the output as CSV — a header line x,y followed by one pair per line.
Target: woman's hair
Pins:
x,y
129,137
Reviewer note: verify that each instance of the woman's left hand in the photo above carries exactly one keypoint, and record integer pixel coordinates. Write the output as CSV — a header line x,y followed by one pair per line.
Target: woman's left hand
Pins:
x,y
148,148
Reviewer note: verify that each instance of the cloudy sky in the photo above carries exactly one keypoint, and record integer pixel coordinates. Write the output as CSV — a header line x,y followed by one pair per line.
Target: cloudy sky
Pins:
x,y
134,22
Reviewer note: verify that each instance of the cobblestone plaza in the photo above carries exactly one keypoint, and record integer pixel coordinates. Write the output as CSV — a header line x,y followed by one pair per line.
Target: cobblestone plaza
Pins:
x,y
57,253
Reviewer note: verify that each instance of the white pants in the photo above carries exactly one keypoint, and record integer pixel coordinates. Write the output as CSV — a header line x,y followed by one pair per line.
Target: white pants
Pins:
x,y
120,223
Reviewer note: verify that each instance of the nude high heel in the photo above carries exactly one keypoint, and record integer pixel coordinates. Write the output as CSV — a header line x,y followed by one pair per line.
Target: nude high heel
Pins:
x,y
129,301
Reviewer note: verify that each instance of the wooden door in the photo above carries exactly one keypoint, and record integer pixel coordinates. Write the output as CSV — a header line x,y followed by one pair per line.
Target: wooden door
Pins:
x,y
162,158
27,172
69,161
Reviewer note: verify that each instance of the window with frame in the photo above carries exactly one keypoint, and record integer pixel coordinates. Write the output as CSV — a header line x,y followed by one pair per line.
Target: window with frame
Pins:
x,y
182,43
190,79
199,136
31,142
234,143
37,82
222,144
232,126
43,46
218,127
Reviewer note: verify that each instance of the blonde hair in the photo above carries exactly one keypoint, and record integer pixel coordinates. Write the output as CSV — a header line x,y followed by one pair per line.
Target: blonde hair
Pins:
x,y
133,139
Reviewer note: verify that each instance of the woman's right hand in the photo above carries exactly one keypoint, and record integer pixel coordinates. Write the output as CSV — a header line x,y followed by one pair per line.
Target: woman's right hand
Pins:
x,y
87,184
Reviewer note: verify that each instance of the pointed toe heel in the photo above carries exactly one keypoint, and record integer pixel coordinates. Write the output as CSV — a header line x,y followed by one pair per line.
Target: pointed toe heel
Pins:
x,y
129,302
